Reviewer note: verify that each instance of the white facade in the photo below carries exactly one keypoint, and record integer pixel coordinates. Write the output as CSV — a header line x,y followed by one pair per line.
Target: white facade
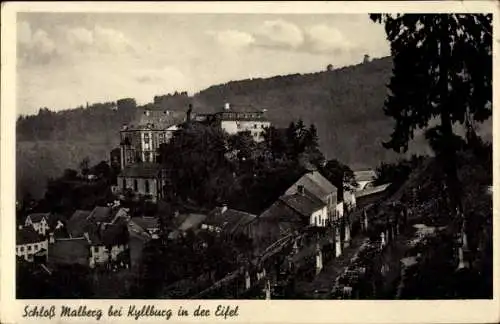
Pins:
x,y
99,254
320,217
40,227
339,210
255,127
27,251
349,200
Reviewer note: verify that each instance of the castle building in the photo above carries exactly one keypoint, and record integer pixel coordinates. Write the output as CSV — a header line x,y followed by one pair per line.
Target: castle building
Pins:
x,y
236,119
139,142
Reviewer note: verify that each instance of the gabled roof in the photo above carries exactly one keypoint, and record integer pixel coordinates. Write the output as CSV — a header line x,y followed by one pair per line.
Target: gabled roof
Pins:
x,y
372,190
189,221
303,204
323,182
69,251
37,217
240,108
314,184
146,222
142,170
27,235
108,234
365,175
229,220
156,119
78,223
100,214
281,213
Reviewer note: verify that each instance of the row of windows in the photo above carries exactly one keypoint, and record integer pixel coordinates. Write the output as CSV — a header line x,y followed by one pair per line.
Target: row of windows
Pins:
x,y
96,248
318,221
255,126
241,115
35,246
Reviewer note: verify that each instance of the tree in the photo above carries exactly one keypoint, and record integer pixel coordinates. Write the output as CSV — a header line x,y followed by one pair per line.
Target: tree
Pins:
x,y
436,75
340,175
329,67
84,166
197,165
366,58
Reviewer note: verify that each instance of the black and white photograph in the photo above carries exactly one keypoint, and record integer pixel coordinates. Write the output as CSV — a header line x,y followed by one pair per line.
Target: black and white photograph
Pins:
x,y
253,156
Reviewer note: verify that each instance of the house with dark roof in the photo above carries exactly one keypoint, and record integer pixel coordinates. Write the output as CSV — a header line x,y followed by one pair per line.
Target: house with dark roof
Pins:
x,y
70,251
100,237
185,222
371,195
29,242
313,210
150,225
292,213
313,184
100,214
107,242
228,221
39,222
78,223
142,179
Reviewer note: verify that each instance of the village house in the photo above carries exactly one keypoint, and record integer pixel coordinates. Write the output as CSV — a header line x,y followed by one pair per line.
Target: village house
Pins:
x,y
39,222
149,224
65,251
109,245
96,238
371,195
29,243
314,184
185,222
230,222
142,179
78,223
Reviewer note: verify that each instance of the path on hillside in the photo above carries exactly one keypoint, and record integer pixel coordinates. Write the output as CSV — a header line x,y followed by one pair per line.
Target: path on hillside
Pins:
x,y
320,287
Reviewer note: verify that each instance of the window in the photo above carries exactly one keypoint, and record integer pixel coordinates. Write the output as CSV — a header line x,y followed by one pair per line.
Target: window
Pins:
x,y
21,249
255,126
29,247
135,185
124,183
146,185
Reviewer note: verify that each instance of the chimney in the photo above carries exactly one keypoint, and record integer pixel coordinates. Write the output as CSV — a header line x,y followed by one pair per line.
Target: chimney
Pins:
x,y
227,106
300,189
51,238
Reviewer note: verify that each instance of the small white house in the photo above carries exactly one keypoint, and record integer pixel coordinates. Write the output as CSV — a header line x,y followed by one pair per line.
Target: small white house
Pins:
x,y
29,242
39,222
309,207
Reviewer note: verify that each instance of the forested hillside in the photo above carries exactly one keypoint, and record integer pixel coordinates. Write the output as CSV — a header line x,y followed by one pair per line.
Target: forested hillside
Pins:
x,y
344,104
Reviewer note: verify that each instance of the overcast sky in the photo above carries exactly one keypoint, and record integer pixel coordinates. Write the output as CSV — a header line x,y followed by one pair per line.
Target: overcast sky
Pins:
x,y
67,59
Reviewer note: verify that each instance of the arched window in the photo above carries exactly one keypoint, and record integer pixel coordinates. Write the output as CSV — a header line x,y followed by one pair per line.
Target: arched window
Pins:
x,y
135,185
146,185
